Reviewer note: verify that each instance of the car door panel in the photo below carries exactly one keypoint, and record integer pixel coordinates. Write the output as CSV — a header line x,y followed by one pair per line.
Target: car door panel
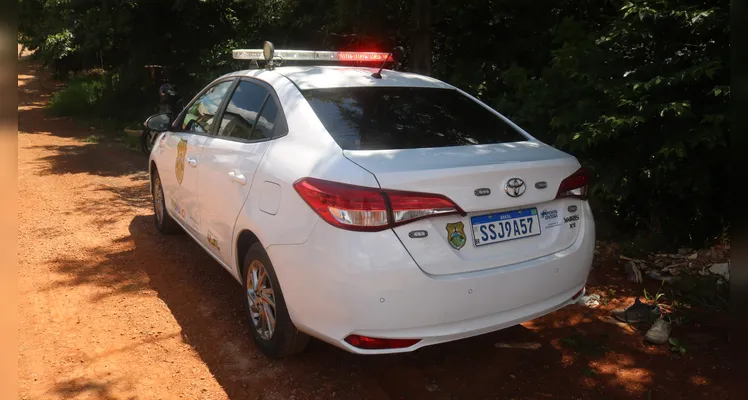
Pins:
x,y
230,160
178,154
225,180
186,162
166,149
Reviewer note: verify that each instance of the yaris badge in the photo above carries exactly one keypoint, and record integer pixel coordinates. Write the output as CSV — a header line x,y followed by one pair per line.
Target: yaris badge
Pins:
x,y
515,187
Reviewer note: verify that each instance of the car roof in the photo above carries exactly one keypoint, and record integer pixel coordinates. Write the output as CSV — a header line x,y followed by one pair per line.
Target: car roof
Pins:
x,y
322,77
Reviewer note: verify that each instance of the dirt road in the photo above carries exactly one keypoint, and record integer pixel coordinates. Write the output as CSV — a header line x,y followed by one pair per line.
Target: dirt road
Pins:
x,y
110,309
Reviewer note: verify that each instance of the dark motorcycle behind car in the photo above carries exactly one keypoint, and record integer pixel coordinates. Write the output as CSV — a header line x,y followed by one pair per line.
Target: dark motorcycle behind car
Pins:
x,y
169,103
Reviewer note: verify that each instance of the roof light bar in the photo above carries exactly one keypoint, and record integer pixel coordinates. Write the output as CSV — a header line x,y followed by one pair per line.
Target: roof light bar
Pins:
x,y
308,55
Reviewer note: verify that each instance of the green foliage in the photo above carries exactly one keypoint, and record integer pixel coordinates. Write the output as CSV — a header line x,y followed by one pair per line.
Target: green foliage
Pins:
x,y
636,89
655,299
639,93
92,139
59,45
104,98
78,97
676,346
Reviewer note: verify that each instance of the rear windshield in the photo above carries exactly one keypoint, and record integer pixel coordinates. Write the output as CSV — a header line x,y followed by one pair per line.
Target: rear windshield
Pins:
x,y
378,118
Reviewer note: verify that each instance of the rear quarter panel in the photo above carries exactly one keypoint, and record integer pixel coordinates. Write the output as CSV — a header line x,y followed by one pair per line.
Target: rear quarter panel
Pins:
x,y
307,151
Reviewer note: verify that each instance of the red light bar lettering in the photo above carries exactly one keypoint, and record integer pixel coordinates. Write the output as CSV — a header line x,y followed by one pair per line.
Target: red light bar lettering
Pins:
x,y
361,56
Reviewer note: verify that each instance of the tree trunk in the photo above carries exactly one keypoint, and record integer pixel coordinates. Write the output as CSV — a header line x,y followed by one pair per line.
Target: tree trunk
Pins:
x,y
421,37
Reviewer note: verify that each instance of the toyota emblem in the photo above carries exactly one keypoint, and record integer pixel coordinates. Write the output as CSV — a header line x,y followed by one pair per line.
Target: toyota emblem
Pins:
x,y
515,187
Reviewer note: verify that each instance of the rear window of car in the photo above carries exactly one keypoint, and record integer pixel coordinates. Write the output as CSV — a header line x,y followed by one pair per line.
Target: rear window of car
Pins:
x,y
379,118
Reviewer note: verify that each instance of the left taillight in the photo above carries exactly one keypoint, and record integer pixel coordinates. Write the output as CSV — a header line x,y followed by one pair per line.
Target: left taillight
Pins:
x,y
575,185
360,208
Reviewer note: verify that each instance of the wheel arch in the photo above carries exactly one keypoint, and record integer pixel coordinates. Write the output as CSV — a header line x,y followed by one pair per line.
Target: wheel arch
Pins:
x,y
244,240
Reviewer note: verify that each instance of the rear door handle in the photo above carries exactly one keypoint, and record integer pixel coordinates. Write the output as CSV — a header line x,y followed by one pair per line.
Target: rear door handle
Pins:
x,y
192,161
238,177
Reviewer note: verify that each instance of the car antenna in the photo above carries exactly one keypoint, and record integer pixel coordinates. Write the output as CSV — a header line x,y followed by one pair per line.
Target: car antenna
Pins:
x,y
396,54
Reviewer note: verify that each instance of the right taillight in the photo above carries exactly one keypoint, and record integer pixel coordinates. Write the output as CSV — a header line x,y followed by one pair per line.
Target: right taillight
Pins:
x,y
360,208
575,185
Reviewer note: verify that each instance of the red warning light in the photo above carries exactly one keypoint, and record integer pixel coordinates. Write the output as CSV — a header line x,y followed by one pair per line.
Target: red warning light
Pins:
x,y
362,56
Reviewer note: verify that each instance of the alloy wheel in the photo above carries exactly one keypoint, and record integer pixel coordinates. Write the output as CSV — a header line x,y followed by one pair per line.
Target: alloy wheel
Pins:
x,y
261,300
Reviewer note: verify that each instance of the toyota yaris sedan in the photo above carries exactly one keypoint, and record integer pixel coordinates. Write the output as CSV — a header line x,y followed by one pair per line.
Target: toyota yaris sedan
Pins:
x,y
378,213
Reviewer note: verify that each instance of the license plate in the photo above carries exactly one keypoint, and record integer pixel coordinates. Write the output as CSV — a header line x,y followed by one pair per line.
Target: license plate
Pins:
x,y
504,226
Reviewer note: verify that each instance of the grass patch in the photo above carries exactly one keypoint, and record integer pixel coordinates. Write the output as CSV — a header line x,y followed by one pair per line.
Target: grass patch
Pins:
x,y
92,139
132,142
105,101
78,98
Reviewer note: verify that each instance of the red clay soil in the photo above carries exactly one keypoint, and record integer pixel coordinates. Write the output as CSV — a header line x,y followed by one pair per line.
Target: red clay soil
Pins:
x,y
111,309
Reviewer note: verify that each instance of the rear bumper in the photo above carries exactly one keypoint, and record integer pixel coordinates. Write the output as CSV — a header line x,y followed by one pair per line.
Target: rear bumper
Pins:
x,y
339,283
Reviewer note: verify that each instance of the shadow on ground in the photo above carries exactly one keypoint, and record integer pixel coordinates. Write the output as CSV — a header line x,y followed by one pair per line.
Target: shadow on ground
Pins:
x,y
579,357
206,302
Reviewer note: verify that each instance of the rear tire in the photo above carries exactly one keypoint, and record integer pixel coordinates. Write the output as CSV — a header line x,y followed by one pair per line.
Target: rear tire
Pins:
x,y
262,291
164,222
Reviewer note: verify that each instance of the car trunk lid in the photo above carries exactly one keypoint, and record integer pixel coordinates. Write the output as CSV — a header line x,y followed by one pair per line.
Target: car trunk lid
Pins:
x,y
481,180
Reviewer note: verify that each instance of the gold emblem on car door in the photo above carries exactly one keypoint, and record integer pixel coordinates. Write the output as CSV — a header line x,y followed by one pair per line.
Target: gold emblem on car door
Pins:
x,y
181,155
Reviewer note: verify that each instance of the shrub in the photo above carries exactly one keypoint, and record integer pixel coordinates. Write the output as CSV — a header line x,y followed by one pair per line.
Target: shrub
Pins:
x,y
105,99
79,97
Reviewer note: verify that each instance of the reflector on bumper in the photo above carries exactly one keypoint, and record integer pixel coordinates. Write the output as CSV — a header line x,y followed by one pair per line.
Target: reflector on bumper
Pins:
x,y
369,343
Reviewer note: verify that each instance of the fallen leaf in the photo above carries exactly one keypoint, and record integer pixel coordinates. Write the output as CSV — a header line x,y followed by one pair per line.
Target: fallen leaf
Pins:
x,y
527,345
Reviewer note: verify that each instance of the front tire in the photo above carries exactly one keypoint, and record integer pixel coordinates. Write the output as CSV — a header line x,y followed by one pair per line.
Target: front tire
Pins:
x,y
164,222
272,329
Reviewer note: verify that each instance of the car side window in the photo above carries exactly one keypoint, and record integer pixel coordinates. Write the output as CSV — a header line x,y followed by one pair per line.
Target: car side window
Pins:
x,y
241,113
200,116
266,124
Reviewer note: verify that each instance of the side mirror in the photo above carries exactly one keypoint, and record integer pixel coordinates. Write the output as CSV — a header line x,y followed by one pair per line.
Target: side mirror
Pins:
x,y
158,122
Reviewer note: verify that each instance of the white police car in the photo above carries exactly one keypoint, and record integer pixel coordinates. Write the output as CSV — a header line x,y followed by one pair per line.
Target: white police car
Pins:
x,y
378,214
